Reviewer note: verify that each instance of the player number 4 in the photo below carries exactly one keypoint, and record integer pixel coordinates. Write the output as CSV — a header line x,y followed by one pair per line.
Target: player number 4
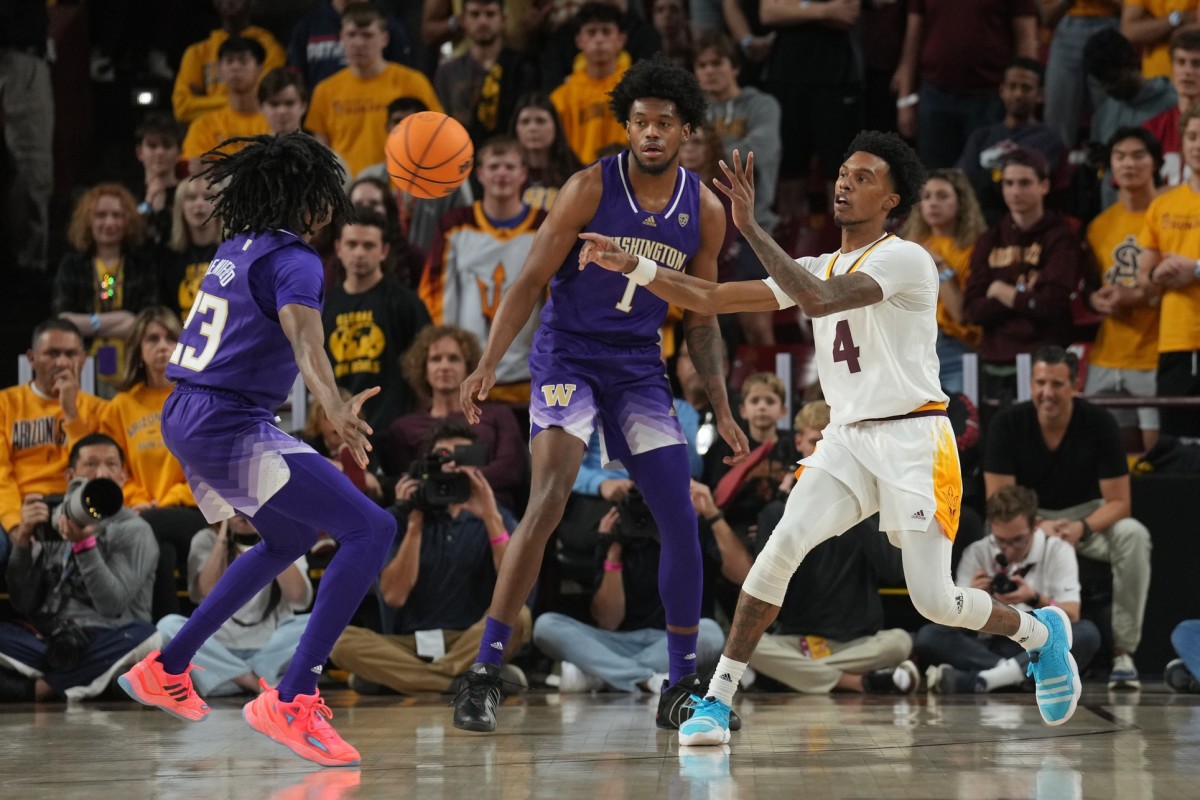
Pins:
x,y
844,348
186,357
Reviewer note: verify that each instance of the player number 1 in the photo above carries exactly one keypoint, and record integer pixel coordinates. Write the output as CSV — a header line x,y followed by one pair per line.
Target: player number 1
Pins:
x,y
844,348
626,303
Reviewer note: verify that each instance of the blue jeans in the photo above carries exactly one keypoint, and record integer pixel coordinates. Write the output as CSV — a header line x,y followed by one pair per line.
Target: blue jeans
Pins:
x,y
945,120
221,664
967,650
950,352
1186,641
1067,81
621,659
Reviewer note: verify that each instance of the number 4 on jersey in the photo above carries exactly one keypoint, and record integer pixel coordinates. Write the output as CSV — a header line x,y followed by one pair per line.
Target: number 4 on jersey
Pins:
x,y
844,348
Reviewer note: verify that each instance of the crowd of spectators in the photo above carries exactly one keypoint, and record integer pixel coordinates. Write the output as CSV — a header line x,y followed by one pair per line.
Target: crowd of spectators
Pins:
x,y
1061,211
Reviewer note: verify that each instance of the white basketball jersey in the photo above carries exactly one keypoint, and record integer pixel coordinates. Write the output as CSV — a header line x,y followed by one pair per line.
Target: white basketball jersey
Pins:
x,y
880,360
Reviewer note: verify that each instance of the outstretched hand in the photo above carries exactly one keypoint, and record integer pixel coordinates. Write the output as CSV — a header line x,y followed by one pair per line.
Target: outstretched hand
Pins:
x,y
346,419
740,189
602,251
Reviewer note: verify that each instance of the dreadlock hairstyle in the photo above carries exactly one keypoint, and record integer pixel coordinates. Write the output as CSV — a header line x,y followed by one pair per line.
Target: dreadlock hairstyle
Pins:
x,y
905,170
290,181
659,78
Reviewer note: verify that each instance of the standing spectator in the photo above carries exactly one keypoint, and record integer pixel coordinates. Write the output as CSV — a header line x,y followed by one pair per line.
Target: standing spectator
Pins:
x,y
670,19
349,108
198,86
480,87
40,420
1166,126
946,223
1023,271
561,50
107,278
582,99
953,62
476,256
369,321
315,50
883,41
1170,242
755,40
194,236
1069,452
1068,89
239,65
85,589
435,366
549,159
27,125
1125,354
159,142
1150,24
258,641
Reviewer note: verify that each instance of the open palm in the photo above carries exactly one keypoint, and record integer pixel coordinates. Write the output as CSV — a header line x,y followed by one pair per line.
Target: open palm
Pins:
x,y
740,189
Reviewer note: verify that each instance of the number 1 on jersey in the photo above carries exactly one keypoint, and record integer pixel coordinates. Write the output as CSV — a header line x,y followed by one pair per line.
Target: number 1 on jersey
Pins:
x,y
844,348
626,303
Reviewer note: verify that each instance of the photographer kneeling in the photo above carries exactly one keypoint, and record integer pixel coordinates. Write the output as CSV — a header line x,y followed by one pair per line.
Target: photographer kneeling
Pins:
x,y
439,580
81,573
1019,565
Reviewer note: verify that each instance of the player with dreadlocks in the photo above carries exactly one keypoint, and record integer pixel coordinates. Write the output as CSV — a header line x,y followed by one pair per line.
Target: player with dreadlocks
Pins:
x,y
255,323
596,361
889,447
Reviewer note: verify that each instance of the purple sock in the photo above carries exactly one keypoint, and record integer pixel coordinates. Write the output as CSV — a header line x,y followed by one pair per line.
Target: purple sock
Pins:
x,y
681,650
495,639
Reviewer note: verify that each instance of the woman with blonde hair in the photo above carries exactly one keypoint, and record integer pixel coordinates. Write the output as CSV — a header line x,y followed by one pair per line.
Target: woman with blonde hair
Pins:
x,y
107,278
947,222
195,234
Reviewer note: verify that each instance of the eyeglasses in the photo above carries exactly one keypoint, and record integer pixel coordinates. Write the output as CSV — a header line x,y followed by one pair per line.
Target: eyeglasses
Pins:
x,y
1015,543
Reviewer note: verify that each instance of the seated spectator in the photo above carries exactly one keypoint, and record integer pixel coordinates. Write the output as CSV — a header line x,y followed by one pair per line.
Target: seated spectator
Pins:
x,y
702,153
829,634
983,155
370,320
1167,126
1124,356
156,487
159,140
476,257
946,223
195,235
435,366
549,160
239,65
1180,674
106,279
256,644
85,590
1069,452
623,645
439,580
405,259
1023,271
198,87
1168,268
349,108
1021,566
1151,26
315,50
41,421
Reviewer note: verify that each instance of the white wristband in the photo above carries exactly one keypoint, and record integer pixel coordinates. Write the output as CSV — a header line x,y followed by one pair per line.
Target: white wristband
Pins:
x,y
781,296
645,271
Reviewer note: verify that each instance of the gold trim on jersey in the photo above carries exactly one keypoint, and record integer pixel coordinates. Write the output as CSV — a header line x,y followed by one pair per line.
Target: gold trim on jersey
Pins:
x,y
859,260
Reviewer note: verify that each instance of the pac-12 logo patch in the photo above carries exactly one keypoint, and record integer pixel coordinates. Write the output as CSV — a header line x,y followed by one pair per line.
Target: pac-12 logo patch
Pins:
x,y
683,220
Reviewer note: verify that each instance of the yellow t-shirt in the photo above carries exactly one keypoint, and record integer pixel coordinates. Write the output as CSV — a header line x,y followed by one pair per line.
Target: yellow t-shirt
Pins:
x,y
351,112
959,260
1129,342
210,129
35,442
1156,59
197,89
154,475
582,102
1172,225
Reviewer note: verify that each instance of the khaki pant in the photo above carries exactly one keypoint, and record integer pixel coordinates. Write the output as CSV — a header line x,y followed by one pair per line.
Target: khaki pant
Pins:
x,y
392,660
780,658
1125,546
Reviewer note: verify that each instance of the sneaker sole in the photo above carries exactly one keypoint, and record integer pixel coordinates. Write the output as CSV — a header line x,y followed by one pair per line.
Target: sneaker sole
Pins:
x,y
475,727
268,730
705,738
130,689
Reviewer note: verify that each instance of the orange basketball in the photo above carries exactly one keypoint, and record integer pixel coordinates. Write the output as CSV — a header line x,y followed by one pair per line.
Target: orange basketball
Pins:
x,y
429,155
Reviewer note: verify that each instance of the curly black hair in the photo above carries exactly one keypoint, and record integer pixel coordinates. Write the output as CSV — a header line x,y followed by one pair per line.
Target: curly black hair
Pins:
x,y
289,181
657,77
905,169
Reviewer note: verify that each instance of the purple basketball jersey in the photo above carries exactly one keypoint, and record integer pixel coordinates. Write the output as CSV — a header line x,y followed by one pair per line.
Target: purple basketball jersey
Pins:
x,y
607,306
232,339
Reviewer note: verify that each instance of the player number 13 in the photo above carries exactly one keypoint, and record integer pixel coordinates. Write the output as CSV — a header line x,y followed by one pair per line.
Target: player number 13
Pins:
x,y
186,357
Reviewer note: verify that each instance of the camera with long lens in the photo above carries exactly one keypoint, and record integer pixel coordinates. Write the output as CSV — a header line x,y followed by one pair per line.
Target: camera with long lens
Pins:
x,y
634,520
1001,583
66,645
86,502
438,488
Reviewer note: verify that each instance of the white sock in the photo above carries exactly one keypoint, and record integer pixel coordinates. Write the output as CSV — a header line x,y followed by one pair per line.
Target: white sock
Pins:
x,y
901,679
1032,633
725,680
1007,673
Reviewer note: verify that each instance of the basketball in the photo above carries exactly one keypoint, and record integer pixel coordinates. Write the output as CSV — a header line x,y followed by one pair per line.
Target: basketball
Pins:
x,y
429,155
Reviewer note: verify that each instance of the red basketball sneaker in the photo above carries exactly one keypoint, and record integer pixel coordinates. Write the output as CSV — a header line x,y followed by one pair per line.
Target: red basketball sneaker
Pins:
x,y
151,685
301,725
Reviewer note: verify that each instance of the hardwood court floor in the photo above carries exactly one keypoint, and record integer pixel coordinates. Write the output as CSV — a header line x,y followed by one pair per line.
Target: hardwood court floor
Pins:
x,y
1128,746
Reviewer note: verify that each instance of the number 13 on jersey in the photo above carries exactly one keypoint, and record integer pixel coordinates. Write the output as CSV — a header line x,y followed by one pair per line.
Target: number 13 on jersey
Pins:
x,y
211,330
